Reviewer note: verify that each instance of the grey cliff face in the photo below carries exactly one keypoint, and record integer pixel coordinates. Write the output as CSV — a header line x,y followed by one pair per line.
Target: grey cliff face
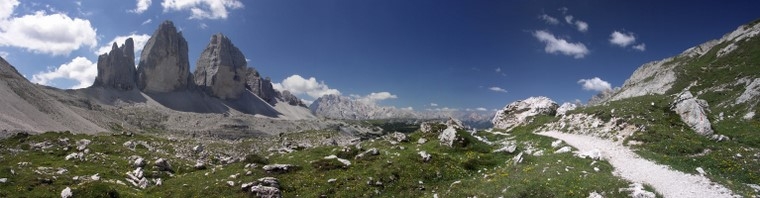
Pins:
x,y
164,66
116,69
221,69
262,87
290,98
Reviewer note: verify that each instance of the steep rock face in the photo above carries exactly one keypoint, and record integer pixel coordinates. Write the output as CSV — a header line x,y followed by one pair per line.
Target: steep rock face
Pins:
x,y
116,69
518,112
262,87
164,66
290,98
221,69
655,77
692,112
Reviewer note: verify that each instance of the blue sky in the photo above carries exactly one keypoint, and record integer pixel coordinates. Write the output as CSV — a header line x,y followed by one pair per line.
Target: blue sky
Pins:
x,y
423,54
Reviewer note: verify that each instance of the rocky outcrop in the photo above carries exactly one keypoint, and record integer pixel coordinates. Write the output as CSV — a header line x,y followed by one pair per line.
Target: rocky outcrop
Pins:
x,y
116,69
565,107
655,77
221,69
164,66
262,87
518,112
289,98
692,112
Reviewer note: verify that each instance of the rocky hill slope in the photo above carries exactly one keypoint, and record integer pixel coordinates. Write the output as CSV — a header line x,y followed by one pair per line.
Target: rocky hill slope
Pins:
x,y
723,71
694,113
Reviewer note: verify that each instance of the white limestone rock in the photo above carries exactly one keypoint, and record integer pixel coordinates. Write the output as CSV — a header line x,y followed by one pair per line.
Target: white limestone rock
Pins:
x,y
519,112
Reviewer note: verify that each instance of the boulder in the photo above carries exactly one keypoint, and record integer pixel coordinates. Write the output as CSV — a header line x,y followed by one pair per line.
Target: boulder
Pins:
x,y
345,162
164,66
372,151
163,165
116,69
66,193
221,69
397,137
692,112
519,112
565,107
448,136
266,192
279,168
425,156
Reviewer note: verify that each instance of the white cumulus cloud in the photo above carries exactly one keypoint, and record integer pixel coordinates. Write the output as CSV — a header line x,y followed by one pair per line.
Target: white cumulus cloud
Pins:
x,y
557,45
641,47
203,9
55,34
433,104
80,69
299,85
594,84
374,97
6,8
497,89
407,108
4,54
622,39
142,6
549,19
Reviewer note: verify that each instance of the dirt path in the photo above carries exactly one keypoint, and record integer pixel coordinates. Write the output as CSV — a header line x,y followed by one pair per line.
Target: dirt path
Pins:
x,y
628,165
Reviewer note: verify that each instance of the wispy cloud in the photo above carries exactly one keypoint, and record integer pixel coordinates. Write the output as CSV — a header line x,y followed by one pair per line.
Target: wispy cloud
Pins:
x,y
556,45
641,47
497,89
548,19
433,104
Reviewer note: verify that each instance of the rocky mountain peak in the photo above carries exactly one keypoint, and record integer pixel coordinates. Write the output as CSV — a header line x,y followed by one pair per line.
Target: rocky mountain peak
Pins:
x,y
222,69
116,69
164,66
262,87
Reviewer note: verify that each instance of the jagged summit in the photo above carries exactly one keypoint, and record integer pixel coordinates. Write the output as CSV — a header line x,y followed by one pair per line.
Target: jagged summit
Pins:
x,y
164,65
221,69
116,69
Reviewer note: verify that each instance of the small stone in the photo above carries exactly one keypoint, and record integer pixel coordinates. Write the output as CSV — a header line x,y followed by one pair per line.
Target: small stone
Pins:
x,y
564,149
66,193
425,156
421,141
3,180
333,180
231,183
198,149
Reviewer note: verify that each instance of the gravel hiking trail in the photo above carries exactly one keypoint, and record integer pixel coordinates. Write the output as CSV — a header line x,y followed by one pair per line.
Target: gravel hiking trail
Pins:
x,y
630,166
